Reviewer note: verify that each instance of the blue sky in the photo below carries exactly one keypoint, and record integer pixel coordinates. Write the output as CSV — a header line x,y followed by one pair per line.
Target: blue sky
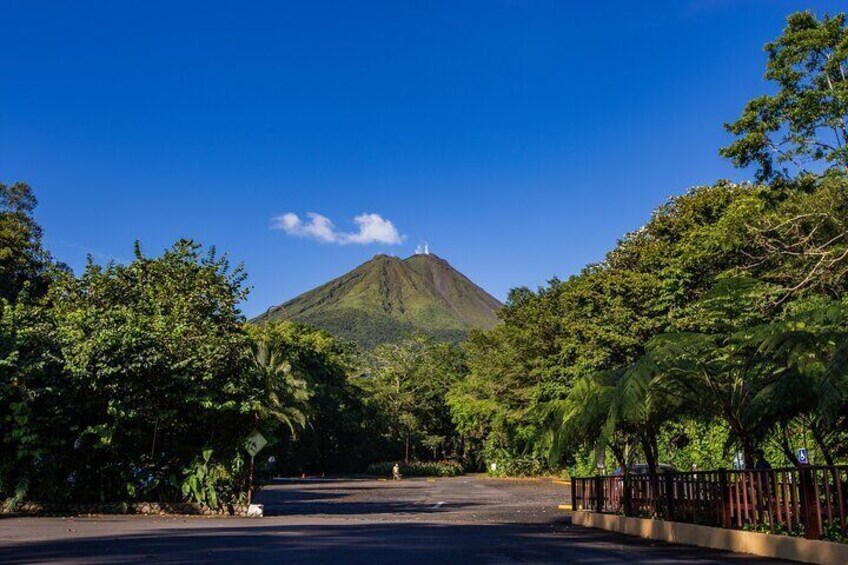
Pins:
x,y
520,138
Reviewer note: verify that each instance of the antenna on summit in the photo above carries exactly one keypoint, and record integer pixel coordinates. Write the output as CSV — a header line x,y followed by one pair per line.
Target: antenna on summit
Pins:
x,y
426,249
422,249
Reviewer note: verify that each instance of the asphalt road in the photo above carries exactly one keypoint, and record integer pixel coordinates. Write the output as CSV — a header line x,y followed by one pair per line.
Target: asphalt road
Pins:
x,y
444,521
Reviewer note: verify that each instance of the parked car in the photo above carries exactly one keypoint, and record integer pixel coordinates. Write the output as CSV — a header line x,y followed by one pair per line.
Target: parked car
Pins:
x,y
642,469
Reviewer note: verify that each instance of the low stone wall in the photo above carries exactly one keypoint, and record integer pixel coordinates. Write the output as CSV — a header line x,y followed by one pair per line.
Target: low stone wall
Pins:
x,y
150,508
738,541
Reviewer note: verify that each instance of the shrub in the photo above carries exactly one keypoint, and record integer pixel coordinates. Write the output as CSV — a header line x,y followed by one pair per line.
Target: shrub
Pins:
x,y
517,467
418,468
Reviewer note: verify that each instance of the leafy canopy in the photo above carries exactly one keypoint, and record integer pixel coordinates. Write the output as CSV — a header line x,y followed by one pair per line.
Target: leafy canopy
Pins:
x,y
805,123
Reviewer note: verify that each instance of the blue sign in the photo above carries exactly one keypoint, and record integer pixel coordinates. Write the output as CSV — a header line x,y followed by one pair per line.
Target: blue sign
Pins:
x,y
802,456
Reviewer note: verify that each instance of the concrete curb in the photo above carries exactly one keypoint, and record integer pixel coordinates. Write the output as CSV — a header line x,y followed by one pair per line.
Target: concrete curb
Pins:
x,y
138,508
737,541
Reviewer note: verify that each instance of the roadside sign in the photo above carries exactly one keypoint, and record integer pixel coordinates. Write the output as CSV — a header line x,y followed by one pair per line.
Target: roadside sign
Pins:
x,y
254,443
801,454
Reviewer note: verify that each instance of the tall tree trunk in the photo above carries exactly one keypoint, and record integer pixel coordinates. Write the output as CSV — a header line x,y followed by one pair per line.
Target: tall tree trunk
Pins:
x,y
649,447
648,442
744,439
748,453
619,453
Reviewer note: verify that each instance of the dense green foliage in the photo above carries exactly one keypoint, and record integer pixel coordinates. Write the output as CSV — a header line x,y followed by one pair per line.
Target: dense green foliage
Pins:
x,y
805,123
342,429
418,469
690,322
24,263
153,352
718,326
136,381
407,383
388,299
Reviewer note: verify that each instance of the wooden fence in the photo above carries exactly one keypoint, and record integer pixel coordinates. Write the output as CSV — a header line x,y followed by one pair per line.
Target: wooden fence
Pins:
x,y
809,501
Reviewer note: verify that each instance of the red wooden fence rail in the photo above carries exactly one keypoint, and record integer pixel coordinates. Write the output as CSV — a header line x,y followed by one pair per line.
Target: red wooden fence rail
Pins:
x,y
809,501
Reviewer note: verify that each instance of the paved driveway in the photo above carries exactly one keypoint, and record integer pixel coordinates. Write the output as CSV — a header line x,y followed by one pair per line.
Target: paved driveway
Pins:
x,y
444,521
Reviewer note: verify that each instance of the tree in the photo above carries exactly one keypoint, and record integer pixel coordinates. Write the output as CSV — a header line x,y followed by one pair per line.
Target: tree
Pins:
x,y
808,351
279,395
408,382
36,413
806,121
340,434
615,410
581,420
709,366
492,405
23,261
154,366
797,239
599,322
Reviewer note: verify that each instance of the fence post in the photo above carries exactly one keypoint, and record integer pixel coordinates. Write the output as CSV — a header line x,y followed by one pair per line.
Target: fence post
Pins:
x,y
811,517
669,496
599,494
724,498
573,493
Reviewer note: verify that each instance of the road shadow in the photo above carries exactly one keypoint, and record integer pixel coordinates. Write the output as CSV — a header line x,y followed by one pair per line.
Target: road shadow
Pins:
x,y
372,543
319,508
342,503
302,498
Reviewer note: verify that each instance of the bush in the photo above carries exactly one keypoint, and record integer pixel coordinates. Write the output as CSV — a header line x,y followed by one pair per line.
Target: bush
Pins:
x,y
418,468
132,386
517,467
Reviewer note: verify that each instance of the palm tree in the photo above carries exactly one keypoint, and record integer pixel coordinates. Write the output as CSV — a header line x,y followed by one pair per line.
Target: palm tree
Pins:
x,y
641,408
586,417
619,409
808,356
713,371
712,374
281,395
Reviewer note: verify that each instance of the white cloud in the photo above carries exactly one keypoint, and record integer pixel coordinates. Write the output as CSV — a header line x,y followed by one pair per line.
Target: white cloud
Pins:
x,y
373,228
316,226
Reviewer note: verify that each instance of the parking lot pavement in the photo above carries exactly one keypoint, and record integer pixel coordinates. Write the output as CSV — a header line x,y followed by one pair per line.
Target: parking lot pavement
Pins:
x,y
458,520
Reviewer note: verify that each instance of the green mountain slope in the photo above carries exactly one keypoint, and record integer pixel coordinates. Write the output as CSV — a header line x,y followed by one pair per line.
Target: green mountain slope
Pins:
x,y
387,298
